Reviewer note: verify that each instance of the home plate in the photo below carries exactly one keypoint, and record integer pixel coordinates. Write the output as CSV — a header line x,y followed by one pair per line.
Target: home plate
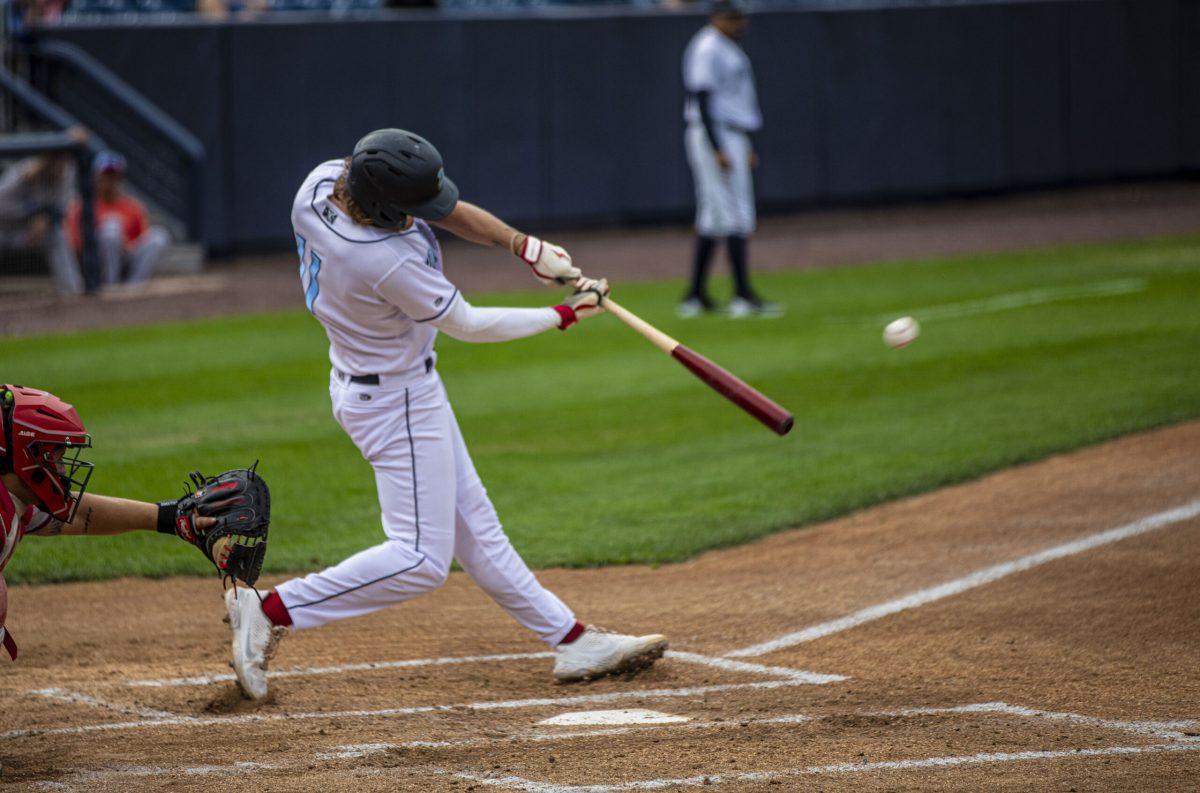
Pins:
x,y
610,717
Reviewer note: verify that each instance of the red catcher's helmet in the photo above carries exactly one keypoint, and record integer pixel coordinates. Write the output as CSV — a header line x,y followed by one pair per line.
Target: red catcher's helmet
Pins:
x,y
42,440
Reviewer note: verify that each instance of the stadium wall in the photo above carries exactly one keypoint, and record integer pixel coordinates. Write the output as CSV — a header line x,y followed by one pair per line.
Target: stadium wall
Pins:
x,y
575,116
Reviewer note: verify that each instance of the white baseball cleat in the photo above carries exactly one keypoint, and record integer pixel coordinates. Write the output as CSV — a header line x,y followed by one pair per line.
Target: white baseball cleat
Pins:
x,y
598,652
693,307
254,640
742,307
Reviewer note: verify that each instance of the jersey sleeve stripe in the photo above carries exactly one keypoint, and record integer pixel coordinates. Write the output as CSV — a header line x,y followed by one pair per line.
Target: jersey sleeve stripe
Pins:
x,y
445,308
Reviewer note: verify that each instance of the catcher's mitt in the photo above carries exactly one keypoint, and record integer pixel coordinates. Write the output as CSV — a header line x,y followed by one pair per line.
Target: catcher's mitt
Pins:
x,y
240,502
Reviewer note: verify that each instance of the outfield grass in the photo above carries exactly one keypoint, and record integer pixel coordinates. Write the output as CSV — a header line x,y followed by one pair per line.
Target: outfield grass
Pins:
x,y
598,450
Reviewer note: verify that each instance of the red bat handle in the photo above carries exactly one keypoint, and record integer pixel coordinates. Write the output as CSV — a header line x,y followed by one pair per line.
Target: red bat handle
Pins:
x,y
772,414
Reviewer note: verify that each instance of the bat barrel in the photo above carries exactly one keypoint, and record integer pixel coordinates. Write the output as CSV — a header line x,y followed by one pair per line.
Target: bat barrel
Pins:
x,y
773,415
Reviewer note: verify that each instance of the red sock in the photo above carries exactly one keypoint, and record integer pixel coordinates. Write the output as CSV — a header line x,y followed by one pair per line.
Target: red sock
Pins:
x,y
572,634
276,612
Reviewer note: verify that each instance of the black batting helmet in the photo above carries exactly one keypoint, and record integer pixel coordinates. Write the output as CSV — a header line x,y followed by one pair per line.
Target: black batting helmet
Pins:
x,y
394,173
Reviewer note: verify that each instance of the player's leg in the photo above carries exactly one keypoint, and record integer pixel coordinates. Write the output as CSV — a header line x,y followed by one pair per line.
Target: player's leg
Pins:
x,y
407,438
487,555
405,435
741,202
147,253
110,246
710,220
63,263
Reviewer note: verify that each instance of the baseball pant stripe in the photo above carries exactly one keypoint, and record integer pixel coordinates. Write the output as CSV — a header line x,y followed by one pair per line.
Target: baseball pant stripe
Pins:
x,y
356,588
412,453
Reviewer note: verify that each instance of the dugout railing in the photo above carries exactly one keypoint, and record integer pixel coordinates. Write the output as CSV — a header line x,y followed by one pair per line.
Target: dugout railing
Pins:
x,y
166,161
23,109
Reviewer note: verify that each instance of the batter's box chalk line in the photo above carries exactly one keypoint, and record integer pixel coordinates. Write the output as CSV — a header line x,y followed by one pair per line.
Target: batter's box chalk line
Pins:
x,y
987,575
776,677
1167,731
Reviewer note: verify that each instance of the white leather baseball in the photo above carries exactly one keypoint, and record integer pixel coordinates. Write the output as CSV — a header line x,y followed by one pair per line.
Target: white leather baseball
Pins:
x,y
901,332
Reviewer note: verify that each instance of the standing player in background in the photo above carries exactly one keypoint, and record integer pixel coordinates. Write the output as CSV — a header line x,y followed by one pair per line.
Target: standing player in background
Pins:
x,y
721,112
129,247
371,270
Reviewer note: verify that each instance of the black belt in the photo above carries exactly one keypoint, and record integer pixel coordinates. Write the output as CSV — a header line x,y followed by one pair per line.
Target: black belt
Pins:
x,y
373,379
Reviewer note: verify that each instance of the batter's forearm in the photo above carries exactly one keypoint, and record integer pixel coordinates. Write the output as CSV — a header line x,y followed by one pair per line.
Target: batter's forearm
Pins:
x,y
104,515
468,323
477,225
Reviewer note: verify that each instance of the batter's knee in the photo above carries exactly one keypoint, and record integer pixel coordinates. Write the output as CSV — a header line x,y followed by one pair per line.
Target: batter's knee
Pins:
x,y
416,570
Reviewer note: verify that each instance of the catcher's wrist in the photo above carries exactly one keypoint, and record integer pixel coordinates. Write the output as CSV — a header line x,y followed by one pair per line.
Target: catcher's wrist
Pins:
x,y
166,516
566,316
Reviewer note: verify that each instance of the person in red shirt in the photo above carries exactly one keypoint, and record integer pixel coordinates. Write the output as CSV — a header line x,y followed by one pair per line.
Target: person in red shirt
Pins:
x,y
128,245
43,483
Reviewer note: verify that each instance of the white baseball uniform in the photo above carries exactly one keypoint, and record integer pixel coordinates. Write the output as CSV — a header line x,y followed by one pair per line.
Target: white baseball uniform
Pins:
x,y
382,297
714,63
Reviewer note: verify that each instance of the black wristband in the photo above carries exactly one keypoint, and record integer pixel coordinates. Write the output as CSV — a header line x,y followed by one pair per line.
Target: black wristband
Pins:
x,y
166,516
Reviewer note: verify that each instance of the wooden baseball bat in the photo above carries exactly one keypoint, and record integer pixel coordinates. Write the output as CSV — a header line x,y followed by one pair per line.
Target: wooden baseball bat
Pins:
x,y
725,383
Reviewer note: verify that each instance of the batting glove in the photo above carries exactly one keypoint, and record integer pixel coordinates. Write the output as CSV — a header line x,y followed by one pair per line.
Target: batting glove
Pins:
x,y
585,301
549,262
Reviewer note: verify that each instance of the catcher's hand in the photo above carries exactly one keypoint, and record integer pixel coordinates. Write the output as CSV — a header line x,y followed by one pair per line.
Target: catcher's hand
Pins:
x,y
227,518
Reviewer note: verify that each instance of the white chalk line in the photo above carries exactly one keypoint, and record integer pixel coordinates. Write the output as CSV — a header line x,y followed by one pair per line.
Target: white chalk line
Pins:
x,y
694,658
158,718
520,783
100,776
351,751
797,675
1173,730
219,721
1016,300
1164,729
980,577
77,698
300,671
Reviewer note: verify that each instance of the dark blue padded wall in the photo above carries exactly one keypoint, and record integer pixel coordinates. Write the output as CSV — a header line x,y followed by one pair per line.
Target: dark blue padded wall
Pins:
x,y
577,117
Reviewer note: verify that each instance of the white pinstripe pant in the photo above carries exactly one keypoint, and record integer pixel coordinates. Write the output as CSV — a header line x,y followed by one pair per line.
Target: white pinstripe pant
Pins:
x,y
434,509
724,199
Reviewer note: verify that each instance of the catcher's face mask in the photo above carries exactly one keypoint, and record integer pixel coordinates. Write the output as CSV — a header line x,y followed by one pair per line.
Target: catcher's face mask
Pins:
x,y
43,439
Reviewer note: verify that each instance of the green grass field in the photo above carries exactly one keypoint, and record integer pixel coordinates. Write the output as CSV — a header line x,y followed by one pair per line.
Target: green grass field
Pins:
x,y
598,450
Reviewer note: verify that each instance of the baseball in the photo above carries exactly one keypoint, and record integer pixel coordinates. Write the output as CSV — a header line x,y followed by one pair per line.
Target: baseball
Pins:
x,y
901,332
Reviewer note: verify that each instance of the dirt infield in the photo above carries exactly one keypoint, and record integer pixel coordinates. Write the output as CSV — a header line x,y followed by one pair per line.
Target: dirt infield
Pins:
x,y
1034,629
811,239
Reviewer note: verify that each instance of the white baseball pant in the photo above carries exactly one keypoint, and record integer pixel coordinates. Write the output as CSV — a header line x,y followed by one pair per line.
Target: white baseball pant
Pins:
x,y
724,198
143,257
434,509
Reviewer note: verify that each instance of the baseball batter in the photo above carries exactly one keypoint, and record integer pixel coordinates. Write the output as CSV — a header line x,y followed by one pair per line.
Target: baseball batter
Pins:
x,y
721,113
371,273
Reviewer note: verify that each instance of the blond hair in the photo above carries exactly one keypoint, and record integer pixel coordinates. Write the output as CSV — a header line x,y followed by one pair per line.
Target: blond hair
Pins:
x,y
341,193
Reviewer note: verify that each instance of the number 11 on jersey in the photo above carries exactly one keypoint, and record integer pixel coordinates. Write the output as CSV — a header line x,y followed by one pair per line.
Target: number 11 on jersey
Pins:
x,y
308,274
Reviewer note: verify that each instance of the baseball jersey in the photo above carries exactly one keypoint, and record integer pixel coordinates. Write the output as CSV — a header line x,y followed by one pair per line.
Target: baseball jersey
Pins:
x,y
715,63
17,520
374,291
126,210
